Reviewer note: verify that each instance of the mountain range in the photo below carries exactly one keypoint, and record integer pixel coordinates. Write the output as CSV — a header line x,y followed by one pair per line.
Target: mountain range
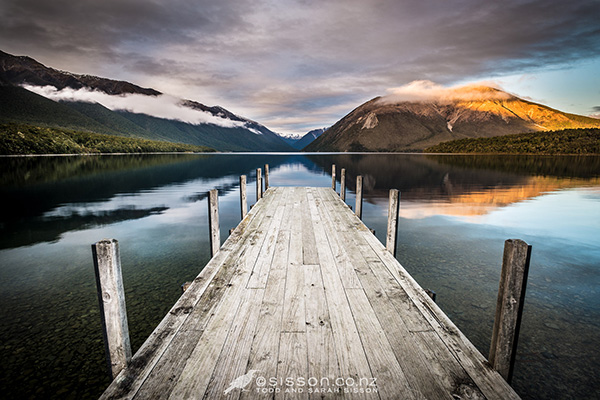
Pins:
x,y
31,93
392,124
34,94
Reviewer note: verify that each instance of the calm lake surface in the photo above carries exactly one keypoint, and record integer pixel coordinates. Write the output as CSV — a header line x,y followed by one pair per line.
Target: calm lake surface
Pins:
x,y
456,212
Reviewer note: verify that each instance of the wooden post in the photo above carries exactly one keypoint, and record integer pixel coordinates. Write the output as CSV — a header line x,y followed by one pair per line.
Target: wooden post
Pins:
x,y
213,222
258,184
333,177
243,198
111,296
359,199
266,177
509,307
392,231
343,184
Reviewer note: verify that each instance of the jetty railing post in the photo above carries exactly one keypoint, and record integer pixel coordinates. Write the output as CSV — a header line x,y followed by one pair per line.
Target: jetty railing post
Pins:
x,y
243,198
392,231
111,296
258,184
266,177
359,197
509,307
213,222
333,177
343,184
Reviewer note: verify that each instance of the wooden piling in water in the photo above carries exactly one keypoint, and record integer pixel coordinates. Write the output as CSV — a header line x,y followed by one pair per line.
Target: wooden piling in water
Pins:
x,y
509,307
343,184
266,177
333,177
243,198
213,222
111,296
258,184
392,225
359,199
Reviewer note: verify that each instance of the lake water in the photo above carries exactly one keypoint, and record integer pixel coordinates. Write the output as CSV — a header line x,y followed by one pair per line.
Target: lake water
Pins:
x,y
456,212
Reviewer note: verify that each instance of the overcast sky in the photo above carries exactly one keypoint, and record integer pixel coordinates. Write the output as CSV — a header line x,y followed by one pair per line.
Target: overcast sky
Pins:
x,y
298,65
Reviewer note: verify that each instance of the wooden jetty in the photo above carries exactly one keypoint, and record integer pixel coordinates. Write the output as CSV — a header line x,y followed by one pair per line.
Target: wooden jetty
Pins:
x,y
303,301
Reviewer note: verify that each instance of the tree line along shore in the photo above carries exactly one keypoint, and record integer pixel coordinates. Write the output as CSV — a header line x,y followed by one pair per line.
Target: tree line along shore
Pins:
x,y
19,139
567,141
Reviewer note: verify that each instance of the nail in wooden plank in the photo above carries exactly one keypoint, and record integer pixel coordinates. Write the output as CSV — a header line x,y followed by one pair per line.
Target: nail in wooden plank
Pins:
x,y
392,231
509,307
111,296
213,222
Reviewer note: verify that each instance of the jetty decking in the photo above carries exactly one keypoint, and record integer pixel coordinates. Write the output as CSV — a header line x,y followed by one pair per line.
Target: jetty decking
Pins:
x,y
303,301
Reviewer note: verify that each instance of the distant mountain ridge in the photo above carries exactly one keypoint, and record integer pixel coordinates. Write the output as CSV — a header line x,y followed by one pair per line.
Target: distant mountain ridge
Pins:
x,y
302,141
216,127
309,138
389,124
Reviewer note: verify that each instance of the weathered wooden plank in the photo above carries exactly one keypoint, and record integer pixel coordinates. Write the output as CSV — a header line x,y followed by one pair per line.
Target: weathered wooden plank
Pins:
x,y
265,345
390,378
233,360
351,355
465,352
309,245
293,301
111,298
292,366
216,319
509,307
322,358
213,222
434,371
129,381
205,356
331,224
258,277
295,250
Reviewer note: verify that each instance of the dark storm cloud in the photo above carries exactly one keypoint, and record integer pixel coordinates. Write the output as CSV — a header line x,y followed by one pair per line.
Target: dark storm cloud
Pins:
x,y
275,59
111,27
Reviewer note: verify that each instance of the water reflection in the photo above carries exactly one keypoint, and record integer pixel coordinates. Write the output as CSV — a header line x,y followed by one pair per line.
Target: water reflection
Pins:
x,y
456,211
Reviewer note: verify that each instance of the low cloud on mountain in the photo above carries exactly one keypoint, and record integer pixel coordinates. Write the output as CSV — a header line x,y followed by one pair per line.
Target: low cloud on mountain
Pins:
x,y
427,91
163,106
